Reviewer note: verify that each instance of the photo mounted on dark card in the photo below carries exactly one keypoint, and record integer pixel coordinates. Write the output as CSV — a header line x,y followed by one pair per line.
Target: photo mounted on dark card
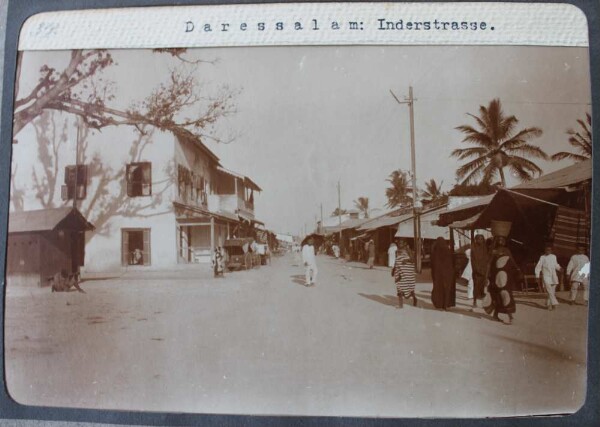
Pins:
x,y
376,210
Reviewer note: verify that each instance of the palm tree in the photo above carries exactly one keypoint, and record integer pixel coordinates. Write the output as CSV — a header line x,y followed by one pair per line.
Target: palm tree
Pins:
x,y
433,191
362,204
582,141
400,192
497,145
339,212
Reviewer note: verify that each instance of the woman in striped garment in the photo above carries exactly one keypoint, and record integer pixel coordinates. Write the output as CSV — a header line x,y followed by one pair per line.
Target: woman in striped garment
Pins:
x,y
404,274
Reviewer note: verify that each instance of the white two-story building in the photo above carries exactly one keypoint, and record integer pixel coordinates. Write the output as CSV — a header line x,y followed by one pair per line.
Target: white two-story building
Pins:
x,y
156,200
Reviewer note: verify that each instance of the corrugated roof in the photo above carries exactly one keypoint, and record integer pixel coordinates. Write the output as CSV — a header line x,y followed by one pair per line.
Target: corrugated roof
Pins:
x,y
349,223
482,201
574,174
46,220
384,221
195,139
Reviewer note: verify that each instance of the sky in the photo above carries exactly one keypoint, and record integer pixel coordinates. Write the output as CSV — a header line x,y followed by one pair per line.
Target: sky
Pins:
x,y
307,117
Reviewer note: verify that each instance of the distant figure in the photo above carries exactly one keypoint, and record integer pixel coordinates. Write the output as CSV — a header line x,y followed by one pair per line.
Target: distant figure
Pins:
x,y
371,253
504,274
310,263
392,254
336,250
480,259
468,274
545,271
404,274
218,262
137,258
443,294
578,277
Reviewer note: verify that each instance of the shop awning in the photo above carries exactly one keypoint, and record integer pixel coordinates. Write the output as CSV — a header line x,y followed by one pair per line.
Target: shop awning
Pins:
x,y
463,212
346,225
465,224
384,221
67,218
428,229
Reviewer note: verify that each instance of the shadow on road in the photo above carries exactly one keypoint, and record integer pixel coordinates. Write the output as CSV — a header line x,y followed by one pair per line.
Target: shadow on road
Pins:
x,y
541,351
299,279
390,300
424,303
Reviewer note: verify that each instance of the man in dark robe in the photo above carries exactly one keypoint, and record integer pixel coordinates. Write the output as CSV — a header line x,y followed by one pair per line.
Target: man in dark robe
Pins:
x,y
443,295
480,258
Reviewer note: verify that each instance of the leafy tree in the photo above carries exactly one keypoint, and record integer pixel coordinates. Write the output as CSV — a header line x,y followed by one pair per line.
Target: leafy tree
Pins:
x,y
362,204
80,89
581,141
464,190
338,212
400,193
497,145
433,192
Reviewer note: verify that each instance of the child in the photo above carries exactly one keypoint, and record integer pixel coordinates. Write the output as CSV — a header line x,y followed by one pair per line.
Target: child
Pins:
x,y
219,263
577,276
545,270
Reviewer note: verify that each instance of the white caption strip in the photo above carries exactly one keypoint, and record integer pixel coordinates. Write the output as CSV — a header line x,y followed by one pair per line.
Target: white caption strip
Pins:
x,y
308,24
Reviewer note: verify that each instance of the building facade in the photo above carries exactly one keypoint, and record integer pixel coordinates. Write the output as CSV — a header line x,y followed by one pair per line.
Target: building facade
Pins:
x,y
157,199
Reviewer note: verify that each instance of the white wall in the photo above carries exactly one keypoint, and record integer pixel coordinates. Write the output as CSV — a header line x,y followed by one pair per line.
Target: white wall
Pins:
x,y
107,205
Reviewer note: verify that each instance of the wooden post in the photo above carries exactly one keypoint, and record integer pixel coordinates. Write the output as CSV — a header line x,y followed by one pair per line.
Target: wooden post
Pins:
x,y
212,237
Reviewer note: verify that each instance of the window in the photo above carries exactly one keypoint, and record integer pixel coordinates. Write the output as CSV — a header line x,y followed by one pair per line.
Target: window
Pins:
x,y
139,179
135,246
75,182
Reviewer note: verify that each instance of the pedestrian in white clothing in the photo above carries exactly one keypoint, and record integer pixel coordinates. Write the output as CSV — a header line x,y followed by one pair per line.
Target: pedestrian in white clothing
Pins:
x,y
578,276
468,274
392,254
545,270
310,262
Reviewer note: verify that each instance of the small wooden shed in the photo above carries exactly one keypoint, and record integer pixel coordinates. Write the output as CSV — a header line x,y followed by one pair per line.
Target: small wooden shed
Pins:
x,y
44,242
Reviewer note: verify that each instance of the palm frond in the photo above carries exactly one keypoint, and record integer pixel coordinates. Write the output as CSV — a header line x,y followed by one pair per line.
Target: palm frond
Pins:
x,y
563,155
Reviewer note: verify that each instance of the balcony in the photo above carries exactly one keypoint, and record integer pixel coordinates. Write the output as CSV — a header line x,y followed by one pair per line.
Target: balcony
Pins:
x,y
230,203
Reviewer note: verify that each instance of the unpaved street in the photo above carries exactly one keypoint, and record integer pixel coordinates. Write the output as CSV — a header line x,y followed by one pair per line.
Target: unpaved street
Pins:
x,y
259,342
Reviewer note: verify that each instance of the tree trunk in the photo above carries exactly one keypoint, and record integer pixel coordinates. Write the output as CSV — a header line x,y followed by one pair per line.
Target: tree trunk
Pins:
x,y
502,178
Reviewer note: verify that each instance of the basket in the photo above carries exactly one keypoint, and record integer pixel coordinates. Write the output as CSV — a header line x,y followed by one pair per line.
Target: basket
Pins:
x,y
501,228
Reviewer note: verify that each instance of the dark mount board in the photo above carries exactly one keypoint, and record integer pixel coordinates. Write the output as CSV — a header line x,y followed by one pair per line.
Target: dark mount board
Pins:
x,y
19,10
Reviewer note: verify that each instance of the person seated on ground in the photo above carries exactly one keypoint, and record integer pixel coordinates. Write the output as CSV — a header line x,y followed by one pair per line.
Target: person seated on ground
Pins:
x,y
62,282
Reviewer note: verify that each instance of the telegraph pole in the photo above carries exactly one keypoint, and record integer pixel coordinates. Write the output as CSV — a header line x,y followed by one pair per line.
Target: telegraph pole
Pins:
x,y
416,202
321,228
339,188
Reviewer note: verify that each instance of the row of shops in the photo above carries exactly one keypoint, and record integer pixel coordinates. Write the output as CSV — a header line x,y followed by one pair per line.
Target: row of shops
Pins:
x,y
555,208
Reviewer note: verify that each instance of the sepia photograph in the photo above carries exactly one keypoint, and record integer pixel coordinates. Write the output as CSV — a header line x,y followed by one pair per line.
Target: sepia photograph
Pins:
x,y
364,231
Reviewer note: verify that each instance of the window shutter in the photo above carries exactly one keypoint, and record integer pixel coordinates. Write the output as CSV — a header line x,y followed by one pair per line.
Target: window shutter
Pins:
x,y
81,191
148,177
147,254
124,248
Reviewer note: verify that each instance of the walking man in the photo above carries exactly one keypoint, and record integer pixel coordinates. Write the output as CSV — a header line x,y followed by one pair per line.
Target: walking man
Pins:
x,y
577,274
310,262
545,270
371,252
